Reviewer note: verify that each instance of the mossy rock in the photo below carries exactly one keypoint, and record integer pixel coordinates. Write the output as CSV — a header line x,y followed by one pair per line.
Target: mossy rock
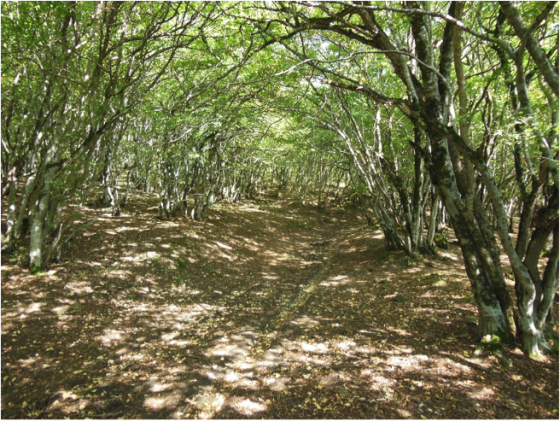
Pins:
x,y
495,344
441,242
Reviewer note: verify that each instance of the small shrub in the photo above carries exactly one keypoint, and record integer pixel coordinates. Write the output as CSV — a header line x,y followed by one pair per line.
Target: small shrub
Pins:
x,y
441,242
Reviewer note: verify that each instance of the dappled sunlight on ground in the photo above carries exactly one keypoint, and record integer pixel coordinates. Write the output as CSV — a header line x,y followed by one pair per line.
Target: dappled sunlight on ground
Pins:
x,y
258,312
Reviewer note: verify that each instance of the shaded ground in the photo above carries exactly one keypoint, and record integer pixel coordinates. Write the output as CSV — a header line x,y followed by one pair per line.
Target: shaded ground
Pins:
x,y
267,309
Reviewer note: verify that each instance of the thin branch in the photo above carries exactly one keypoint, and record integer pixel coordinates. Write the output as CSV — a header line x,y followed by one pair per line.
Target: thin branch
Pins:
x,y
445,17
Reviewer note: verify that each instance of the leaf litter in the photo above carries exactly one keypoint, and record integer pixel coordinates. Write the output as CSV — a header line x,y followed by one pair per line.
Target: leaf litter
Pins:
x,y
268,314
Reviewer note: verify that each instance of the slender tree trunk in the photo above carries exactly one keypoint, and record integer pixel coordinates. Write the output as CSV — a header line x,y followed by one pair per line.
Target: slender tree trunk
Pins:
x,y
432,225
37,224
12,210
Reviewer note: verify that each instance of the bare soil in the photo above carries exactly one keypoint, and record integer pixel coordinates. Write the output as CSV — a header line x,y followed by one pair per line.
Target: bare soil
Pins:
x,y
267,309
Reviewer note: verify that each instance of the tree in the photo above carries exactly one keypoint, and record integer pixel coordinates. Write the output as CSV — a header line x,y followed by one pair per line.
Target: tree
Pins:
x,y
85,89
216,100
425,69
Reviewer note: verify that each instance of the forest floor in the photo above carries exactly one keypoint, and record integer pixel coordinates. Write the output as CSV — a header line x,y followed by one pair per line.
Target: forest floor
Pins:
x,y
266,309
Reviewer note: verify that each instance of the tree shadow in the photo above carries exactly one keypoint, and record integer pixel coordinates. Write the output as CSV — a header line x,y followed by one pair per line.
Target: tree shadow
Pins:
x,y
241,317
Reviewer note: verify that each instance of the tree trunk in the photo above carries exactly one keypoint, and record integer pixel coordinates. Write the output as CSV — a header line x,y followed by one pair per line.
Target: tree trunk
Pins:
x,y
11,216
36,241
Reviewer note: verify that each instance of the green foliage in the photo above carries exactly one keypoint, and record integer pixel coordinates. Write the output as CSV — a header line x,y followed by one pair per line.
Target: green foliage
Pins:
x,y
181,265
441,242
552,338
400,298
37,271
74,307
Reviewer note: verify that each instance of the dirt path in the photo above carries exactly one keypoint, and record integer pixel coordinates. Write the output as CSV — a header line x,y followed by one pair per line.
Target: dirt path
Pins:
x,y
264,310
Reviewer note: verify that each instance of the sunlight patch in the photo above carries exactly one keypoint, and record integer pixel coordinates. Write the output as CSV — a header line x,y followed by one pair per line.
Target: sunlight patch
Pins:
x,y
155,403
110,336
78,287
320,348
28,362
213,401
159,387
248,407
334,281
449,256
278,384
482,393
304,321
169,336
230,351
249,208
398,331
125,229
32,308
231,377
402,362
346,344
194,292
245,366
141,257
380,382
404,413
